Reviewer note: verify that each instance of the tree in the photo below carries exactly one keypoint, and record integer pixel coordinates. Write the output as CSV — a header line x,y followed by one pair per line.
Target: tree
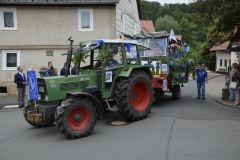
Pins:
x,y
227,14
212,37
166,23
150,10
188,31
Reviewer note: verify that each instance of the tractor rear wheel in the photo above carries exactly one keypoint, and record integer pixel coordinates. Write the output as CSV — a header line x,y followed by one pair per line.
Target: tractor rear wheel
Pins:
x,y
76,117
176,92
29,106
134,96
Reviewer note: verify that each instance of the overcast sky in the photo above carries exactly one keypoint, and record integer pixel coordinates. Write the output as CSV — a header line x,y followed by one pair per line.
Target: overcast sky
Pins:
x,y
170,1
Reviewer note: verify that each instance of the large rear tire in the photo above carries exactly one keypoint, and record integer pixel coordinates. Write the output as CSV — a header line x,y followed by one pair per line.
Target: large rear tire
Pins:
x,y
29,106
134,96
176,92
76,117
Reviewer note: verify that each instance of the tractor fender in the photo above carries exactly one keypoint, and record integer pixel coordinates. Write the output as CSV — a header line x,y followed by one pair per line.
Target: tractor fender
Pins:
x,y
127,73
92,98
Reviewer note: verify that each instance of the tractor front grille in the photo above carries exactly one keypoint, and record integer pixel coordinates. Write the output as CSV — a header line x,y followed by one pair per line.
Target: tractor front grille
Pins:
x,y
74,85
64,86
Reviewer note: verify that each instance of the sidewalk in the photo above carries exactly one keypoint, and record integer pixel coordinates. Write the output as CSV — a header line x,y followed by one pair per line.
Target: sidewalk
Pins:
x,y
214,88
10,100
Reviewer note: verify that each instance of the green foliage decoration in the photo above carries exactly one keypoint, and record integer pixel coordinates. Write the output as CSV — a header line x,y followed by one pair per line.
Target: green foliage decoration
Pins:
x,y
105,51
78,56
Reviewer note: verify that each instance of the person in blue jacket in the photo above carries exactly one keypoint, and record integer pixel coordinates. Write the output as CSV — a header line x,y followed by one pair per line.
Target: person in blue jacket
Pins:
x,y
63,70
20,80
201,79
74,70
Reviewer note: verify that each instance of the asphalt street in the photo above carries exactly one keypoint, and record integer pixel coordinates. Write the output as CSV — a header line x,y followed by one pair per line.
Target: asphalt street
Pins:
x,y
185,129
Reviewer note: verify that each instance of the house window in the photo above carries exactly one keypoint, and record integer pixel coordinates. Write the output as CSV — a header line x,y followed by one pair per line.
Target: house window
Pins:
x,y
225,63
220,62
8,19
10,59
85,19
122,23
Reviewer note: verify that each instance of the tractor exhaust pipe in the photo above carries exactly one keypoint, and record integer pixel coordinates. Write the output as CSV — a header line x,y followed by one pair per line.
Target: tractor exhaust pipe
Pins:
x,y
69,57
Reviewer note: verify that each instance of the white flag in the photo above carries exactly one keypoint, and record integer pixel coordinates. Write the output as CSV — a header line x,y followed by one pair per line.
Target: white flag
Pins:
x,y
172,36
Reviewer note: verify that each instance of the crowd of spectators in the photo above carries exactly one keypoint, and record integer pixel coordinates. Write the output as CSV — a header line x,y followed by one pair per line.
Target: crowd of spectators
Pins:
x,y
51,71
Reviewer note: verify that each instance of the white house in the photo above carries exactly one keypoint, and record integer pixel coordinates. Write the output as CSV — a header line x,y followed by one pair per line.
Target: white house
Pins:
x,y
224,58
34,32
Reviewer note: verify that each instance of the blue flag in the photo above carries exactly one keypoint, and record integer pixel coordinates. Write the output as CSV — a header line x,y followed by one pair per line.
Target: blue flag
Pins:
x,y
32,85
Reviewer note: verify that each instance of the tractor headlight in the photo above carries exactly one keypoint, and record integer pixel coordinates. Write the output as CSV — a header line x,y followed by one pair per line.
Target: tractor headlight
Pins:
x,y
46,97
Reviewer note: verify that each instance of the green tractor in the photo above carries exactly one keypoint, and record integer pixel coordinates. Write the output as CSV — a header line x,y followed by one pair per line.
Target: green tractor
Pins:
x,y
111,76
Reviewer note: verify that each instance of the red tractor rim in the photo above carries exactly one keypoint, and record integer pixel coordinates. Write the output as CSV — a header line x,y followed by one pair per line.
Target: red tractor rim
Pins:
x,y
140,96
79,118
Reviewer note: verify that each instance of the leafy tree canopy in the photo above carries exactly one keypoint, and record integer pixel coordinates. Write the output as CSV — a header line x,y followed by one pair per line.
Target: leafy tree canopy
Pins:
x,y
166,23
227,14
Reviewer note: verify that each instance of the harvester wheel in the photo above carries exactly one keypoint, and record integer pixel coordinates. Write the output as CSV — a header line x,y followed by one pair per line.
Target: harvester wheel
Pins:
x,y
76,117
134,96
176,92
29,106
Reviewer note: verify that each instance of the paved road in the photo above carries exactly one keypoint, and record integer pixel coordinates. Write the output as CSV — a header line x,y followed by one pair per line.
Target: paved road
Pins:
x,y
186,129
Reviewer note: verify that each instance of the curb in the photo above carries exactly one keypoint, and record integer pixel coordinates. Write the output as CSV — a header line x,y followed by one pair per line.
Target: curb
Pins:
x,y
225,103
215,75
10,109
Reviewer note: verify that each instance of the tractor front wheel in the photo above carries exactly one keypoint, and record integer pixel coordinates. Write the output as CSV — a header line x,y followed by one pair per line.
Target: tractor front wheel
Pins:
x,y
76,117
134,96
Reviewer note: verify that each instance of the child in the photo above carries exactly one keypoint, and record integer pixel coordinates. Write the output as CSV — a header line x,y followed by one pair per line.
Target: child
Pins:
x,y
55,72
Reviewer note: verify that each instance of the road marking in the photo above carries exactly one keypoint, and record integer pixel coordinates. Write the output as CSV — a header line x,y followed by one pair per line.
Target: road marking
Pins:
x,y
11,106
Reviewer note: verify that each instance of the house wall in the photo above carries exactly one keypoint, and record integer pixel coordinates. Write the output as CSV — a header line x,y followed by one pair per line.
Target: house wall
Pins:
x,y
129,9
54,25
42,29
222,56
234,58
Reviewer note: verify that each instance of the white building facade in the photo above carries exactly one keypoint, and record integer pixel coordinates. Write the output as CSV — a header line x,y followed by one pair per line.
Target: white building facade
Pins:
x,y
34,33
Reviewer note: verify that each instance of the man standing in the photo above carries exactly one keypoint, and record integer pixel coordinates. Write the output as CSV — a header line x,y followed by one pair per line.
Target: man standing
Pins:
x,y
50,69
201,78
74,70
20,80
63,70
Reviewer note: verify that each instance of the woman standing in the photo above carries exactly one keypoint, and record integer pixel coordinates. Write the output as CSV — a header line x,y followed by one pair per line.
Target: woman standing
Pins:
x,y
236,78
231,98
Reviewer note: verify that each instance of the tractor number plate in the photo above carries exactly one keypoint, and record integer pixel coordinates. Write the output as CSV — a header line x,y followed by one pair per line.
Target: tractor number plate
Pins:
x,y
41,89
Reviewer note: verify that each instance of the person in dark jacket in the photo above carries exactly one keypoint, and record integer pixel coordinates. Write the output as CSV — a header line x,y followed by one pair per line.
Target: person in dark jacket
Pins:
x,y
63,70
236,78
50,69
20,80
74,70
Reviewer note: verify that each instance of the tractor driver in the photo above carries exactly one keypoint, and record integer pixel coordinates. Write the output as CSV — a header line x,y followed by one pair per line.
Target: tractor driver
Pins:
x,y
108,63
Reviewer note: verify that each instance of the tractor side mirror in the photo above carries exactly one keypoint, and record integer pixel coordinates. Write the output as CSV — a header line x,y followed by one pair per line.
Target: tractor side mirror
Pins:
x,y
115,49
